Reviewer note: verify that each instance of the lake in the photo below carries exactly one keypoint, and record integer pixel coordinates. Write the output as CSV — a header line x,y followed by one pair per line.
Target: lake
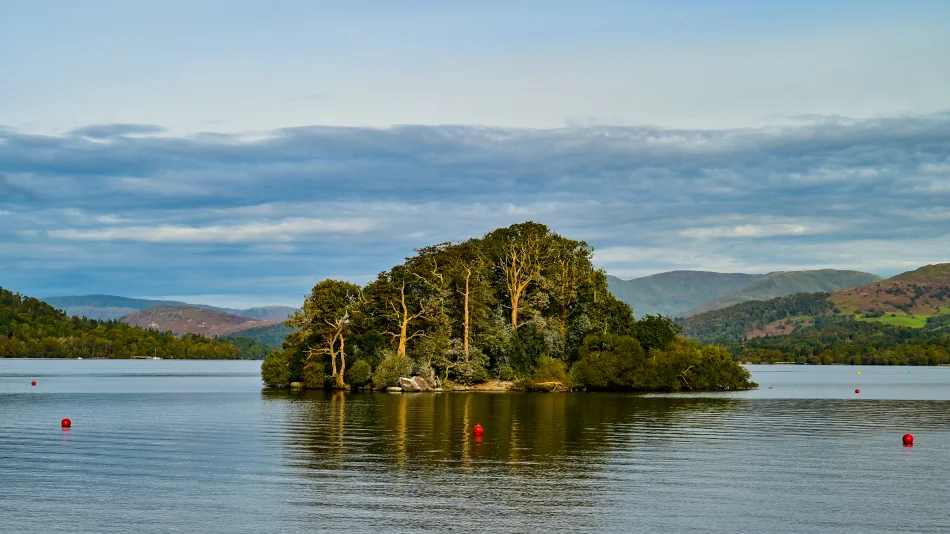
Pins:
x,y
197,446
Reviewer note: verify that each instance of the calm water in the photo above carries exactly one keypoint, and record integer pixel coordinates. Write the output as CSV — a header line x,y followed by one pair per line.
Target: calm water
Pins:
x,y
172,446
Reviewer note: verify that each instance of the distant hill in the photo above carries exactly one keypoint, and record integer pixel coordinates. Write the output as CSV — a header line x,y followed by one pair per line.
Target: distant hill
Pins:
x,y
688,293
115,307
673,292
191,320
779,284
914,300
270,337
31,328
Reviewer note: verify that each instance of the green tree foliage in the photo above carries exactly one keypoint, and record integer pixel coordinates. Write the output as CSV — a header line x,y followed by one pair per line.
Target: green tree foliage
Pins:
x,y
389,370
359,374
518,302
849,341
30,328
326,320
610,362
275,369
655,332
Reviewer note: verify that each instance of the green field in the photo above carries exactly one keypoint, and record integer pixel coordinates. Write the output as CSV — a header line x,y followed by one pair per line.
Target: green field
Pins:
x,y
912,321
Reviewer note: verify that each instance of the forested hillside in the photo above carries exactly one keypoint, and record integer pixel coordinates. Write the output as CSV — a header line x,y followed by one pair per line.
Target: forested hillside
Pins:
x,y
31,328
901,320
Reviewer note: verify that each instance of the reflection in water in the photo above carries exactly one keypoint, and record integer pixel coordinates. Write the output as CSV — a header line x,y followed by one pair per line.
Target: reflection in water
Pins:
x,y
604,462
178,454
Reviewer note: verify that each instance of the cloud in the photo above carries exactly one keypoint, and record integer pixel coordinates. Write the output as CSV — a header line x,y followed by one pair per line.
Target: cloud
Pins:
x,y
111,131
269,213
284,230
754,230
7,186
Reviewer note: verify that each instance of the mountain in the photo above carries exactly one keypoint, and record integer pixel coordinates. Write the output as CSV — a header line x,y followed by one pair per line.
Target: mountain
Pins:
x,y
688,293
918,299
783,283
674,292
114,307
191,320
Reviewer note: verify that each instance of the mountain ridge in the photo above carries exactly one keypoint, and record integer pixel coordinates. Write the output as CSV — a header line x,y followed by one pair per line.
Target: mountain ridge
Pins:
x,y
688,293
180,320
115,307
913,299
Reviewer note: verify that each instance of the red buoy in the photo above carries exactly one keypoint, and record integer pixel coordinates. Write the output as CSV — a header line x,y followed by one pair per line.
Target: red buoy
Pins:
x,y
33,383
857,391
908,439
67,423
478,430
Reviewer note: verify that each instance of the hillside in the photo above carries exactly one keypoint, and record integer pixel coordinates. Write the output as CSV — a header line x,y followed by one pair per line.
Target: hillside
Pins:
x,y
883,318
688,293
191,320
30,328
779,284
115,307
270,336
673,292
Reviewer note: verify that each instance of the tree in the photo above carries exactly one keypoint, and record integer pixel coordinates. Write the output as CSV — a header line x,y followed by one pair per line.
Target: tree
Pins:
x,y
656,332
398,300
275,370
521,252
327,314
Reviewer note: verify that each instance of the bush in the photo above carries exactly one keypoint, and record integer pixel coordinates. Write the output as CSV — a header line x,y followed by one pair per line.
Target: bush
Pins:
x,y
314,375
275,369
359,373
389,370
550,370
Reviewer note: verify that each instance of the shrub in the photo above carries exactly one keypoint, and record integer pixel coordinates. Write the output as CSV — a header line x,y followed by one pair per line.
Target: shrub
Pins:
x,y
275,369
550,370
314,375
389,370
359,373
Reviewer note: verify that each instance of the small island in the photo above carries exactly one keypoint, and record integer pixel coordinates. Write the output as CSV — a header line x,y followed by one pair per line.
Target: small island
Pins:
x,y
520,305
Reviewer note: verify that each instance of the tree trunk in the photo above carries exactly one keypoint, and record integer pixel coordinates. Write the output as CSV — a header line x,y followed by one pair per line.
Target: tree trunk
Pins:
x,y
404,323
339,377
468,275
333,354
515,297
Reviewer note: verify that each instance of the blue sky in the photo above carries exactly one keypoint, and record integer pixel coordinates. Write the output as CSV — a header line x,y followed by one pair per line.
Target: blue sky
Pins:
x,y
235,153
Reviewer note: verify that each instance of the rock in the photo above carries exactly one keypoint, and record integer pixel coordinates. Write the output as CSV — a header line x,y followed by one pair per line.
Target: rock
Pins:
x,y
416,383
296,385
393,390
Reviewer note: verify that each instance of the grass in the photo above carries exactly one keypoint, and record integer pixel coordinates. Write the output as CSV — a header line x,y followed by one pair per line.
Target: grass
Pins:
x,y
918,320
912,321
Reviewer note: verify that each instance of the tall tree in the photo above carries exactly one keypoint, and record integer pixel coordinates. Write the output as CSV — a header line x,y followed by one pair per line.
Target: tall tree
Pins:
x,y
521,254
399,302
327,315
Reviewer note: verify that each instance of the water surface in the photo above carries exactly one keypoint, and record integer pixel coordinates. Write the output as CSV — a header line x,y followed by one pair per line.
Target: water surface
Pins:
x,y
179,446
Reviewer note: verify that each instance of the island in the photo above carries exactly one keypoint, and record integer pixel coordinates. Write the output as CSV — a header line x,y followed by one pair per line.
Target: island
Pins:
x,y
521,305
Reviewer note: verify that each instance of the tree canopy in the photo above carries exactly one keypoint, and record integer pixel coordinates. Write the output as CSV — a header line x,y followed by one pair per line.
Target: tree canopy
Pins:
x,y
30,328
517,303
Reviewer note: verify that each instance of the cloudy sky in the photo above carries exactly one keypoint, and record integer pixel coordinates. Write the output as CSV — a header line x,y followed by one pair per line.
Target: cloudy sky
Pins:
x,y
235,153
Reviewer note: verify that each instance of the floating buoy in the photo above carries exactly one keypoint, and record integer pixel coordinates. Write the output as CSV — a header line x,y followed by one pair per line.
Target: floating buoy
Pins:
x,y
33,383
857,391
859,372
67,423
908,439
478,430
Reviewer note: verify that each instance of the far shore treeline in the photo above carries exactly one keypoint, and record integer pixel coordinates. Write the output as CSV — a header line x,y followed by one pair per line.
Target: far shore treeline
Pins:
x,y
31,328
521,303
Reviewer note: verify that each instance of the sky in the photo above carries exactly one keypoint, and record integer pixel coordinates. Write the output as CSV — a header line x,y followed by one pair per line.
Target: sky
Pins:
x,y
235,153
